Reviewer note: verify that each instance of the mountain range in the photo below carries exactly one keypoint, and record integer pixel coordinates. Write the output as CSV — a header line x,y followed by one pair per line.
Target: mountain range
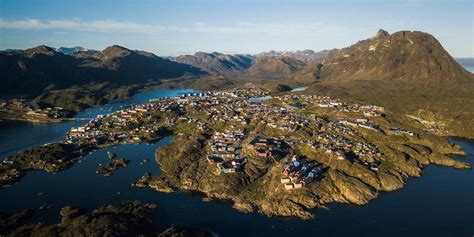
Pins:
x,y
403,56
217,62
72,50
407,71
34,70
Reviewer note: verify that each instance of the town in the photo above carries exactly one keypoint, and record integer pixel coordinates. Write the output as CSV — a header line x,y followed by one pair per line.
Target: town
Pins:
x,y
21,109
245,145
241,130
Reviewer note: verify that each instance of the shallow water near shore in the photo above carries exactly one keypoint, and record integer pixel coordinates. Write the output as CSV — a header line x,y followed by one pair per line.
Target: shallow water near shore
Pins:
x,y
440,203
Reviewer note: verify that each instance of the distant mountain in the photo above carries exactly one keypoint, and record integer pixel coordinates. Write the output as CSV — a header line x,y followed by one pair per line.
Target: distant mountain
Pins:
x,y
270,63
216,62
31,71
276,66
307,55
466,62
405,55
72,50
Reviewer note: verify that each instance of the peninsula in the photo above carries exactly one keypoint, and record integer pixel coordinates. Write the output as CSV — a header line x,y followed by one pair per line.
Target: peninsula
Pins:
x,y
283,155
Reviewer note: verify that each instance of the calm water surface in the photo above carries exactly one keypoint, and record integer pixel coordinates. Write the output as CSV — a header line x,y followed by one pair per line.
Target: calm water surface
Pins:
x,y
469,68
440,203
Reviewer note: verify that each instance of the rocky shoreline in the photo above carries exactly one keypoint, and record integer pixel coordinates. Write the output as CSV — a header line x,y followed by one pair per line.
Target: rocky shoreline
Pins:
x,y
107,170
51,158
258,188
229,148
123,219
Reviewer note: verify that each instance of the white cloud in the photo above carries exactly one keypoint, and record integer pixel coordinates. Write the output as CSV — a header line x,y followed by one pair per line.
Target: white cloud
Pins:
x,y
131,27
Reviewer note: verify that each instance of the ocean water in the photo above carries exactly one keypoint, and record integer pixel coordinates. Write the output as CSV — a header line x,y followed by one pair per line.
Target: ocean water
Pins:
x,y
469,68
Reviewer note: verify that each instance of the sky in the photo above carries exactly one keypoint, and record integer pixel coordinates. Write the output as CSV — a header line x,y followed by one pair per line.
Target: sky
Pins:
x,y
175,27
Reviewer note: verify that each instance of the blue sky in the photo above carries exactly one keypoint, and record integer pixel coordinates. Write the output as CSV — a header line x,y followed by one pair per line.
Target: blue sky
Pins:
x,y
182,27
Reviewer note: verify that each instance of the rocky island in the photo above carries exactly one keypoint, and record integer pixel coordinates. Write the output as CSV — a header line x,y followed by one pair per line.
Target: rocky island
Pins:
x,y
116,164
123,219
52,158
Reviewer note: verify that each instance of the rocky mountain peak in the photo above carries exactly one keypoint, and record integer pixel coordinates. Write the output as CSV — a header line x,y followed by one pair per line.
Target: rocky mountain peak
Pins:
x,y
216,62
382,34
116,51
72,50
411,56
42,49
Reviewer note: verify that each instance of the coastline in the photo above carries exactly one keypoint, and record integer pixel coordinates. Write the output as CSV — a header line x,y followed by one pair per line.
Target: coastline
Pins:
x,y
246,207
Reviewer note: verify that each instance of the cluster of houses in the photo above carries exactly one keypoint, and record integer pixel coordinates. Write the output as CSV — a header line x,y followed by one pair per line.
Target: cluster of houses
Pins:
x,y
224,151
345,149
285,121
132,125
267,148
366,110
244,92
328,102
33,110
363,123
112,131
403,131
231,109
298,172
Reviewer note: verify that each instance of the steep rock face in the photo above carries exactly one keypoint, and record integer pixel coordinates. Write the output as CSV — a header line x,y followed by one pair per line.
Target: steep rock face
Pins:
x,y
352,189
216,62
405,55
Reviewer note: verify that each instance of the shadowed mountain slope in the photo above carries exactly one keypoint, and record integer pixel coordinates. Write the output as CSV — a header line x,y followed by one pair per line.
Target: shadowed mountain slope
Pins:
x,y
42,68
216,62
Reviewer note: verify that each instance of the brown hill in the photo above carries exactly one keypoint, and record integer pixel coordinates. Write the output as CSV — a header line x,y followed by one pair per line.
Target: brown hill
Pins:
x,y
404,55
407,72
276,66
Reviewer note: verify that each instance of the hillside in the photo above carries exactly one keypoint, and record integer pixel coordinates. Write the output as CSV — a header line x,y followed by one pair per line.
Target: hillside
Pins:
x,y
408,72
466,61
35,70
405,55
276,66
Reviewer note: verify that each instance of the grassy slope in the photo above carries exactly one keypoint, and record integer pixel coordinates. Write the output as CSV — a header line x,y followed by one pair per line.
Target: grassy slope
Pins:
x,y
451,104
